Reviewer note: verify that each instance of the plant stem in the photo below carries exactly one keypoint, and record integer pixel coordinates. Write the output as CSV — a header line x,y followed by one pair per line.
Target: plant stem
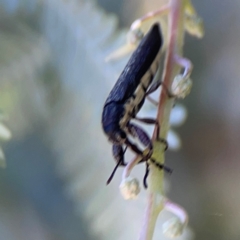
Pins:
x,y
171,69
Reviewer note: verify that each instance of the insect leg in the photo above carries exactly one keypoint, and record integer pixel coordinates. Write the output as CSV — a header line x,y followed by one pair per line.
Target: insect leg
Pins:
x,y
142,136
154,102
162,140
138,151
158,165
138,132
153,87
161,166
146,175
150,121
147,120
133,147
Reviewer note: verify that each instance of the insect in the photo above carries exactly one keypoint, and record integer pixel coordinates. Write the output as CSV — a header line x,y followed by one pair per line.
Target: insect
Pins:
x,y
128,96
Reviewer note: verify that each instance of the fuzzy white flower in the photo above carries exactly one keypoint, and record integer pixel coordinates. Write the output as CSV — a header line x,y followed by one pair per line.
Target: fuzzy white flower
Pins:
x,y
5,133
129,188
173,228
181,86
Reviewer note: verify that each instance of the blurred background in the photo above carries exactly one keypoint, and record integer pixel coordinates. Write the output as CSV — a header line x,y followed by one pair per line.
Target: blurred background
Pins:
x,y
53,83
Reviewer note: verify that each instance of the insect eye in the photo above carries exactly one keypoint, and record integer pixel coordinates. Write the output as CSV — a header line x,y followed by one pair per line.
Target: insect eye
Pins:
x,y
120,136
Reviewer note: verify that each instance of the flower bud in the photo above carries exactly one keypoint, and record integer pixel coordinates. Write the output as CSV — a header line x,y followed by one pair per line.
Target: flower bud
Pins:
x,y
194,26
129,188
173,228
181,86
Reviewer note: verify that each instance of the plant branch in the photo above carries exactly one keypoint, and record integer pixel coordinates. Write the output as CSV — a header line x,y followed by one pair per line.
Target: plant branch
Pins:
x,y
181,17
171,69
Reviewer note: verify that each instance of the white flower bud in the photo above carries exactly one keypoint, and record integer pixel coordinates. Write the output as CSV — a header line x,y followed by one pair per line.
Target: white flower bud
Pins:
x,y
129,188
134,36
181,86
136,25
173,228
5,133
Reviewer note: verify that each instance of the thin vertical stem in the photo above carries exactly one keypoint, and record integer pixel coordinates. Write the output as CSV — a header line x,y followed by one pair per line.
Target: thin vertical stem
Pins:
x,y
171,69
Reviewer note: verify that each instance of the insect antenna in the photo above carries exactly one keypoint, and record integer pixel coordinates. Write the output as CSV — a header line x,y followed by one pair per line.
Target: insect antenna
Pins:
x,y
116,167
113,172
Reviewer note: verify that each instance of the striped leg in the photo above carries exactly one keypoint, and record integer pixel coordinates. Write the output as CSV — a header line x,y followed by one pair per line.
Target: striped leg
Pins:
x,y
140,134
